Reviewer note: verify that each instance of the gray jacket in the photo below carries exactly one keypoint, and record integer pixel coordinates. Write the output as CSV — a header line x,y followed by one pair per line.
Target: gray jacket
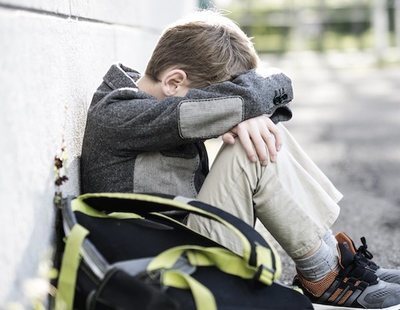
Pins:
x,y
136,143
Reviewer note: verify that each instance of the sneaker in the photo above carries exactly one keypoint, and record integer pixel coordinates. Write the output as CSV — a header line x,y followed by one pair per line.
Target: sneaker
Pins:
x,y
387,275
351,286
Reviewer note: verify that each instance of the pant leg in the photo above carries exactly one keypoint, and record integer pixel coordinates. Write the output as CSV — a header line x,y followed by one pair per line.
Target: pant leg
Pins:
x,y
305,161
289,197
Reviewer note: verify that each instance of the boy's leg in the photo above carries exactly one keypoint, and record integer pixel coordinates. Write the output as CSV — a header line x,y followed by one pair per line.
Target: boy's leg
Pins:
x,y
297,204
292,197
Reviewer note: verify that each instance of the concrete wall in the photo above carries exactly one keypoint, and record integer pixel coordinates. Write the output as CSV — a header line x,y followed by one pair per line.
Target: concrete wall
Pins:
x,y
53,54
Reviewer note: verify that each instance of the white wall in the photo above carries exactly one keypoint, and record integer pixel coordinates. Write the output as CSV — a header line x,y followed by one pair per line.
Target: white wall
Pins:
x,y
53,54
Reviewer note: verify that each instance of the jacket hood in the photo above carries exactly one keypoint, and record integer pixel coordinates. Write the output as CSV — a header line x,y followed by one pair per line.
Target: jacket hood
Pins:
x,y
119,76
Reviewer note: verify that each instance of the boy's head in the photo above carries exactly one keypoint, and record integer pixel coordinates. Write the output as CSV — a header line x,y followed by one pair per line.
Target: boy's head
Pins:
x,y
207,47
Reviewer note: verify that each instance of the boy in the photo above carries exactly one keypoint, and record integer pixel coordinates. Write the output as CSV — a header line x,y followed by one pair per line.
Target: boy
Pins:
x,y
145,134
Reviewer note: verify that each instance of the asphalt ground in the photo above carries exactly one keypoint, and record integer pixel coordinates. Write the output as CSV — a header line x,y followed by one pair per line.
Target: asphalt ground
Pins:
x,y
347,119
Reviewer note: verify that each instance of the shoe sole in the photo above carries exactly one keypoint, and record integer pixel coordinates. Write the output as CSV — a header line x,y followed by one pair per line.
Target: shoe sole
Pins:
x,y
326,307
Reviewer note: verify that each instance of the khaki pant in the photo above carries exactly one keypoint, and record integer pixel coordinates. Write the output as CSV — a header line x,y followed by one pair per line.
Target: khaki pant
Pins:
x,y
292,198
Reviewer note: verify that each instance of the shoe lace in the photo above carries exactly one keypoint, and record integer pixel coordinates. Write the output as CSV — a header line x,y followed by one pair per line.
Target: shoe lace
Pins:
x,y
362,250
359,262
361,267
363,254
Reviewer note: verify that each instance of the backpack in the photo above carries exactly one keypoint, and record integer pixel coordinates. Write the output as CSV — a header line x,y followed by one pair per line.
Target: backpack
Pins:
x,y
128,251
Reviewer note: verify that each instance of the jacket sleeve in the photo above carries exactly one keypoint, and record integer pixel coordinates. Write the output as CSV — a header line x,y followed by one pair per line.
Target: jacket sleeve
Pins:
x,y
147,124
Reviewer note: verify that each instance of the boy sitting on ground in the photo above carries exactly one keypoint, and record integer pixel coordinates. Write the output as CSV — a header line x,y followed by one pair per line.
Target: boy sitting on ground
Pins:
x,y
146,133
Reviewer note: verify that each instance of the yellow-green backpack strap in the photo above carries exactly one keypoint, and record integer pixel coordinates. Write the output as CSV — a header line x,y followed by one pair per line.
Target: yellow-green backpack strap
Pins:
x,y
202,296
69,268
221,258
78,205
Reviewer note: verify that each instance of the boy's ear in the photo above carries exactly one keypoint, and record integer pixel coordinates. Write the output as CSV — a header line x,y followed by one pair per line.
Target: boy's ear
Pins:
x,y
174,82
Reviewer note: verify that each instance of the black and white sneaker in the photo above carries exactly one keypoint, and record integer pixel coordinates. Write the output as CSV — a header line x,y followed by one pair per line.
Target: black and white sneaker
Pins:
x,y
385,274
352,286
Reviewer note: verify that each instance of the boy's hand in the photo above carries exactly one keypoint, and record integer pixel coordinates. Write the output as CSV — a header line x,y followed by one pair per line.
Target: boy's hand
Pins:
x,y
256,136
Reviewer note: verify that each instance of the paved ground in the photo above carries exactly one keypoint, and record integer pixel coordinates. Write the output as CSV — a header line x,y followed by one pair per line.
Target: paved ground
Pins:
x,y
347,117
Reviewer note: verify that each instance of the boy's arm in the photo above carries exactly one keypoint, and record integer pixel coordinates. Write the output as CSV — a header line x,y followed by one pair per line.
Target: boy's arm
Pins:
x,y
147,124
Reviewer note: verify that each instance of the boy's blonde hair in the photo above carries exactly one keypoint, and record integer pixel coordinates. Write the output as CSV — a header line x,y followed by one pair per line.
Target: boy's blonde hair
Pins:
x,y
209,47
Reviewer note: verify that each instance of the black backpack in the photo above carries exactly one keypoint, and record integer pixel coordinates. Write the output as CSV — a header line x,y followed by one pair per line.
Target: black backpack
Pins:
x,y
128,251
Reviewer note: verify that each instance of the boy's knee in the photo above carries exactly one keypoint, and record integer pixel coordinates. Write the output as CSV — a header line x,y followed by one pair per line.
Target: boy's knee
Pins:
x,y
234,156
234,153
